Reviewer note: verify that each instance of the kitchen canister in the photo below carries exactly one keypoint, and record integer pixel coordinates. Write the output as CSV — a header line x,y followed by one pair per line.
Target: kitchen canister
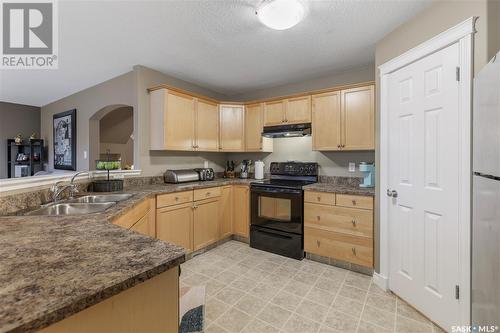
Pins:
x,y
259,170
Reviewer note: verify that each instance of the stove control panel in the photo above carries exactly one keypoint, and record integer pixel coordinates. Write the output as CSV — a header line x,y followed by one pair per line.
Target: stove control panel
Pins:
x,y
294,168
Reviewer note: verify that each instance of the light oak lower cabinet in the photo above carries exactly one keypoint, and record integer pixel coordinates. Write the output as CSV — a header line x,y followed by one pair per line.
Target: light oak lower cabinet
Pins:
x,y
151,306
226,212
141,218
174,224
205,223
339,226
241,216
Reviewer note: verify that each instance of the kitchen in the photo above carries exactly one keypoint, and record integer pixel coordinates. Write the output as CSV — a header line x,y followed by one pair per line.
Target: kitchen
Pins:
x,y
168,203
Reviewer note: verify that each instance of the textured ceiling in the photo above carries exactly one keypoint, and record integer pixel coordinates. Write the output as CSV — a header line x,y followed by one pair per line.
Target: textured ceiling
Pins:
x,y
217,44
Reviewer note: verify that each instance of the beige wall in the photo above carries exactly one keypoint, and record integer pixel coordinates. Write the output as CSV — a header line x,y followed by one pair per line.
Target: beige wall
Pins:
x,y
351,76
117,91
300,149
438,17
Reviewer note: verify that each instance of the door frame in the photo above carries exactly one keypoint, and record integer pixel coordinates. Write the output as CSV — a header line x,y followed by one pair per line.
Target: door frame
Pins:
x,y
463,34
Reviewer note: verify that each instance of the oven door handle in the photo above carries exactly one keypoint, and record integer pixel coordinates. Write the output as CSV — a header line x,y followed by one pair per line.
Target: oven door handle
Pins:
x,y
274,234
276,190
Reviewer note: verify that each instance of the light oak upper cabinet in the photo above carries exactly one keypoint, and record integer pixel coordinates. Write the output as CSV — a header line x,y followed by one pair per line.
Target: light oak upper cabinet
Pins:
x,y
344,120
174,224
172,125
232,127
298,110
326,121
207,126
254,125
358,118
206,223
274,113
241,216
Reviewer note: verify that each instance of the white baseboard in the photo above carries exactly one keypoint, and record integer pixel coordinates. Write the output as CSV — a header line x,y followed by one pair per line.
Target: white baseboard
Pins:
x,y
381,281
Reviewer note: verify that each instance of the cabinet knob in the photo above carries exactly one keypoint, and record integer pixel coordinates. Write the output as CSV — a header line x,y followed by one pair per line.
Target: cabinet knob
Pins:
x,y
319,198
176,198
207,194
338,146
318,243
353,223
354,202
353,250
318,217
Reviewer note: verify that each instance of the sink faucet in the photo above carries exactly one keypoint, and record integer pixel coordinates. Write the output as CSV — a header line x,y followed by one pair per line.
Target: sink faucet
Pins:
x,y
57,188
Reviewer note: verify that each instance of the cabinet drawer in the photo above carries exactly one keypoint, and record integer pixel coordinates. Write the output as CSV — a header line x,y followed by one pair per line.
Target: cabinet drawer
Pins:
x,y
357,250
355,201
132,216
207,193
169,199
352,221
324,198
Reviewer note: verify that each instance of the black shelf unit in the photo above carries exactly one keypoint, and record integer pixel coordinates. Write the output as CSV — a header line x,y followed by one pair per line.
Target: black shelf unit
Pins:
x,y
29,148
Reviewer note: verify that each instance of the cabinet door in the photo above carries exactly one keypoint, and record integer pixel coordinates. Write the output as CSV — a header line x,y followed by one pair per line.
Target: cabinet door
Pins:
x,y
232,127
179,122
205,223
207,126
298,110
274,113
174,224
142,226
226,212
326,121
241,210
358,118
253,127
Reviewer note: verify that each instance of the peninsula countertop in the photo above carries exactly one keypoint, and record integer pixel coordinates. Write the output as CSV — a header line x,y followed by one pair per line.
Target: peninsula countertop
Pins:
x,y
54,266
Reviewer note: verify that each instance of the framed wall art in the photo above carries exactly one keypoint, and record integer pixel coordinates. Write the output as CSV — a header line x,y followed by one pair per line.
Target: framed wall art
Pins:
x,y
64,127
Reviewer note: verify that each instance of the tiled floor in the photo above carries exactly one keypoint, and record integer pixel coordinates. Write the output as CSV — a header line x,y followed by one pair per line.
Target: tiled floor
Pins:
x,y
254,291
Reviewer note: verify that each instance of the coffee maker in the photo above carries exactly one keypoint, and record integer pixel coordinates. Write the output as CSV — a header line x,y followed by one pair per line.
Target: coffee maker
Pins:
x,y
368,170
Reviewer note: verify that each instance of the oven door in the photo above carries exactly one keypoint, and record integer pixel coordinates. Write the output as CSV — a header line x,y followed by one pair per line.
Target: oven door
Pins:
x,y
277,208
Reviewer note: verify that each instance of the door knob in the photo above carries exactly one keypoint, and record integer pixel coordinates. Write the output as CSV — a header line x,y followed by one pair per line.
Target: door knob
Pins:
x,y
392,193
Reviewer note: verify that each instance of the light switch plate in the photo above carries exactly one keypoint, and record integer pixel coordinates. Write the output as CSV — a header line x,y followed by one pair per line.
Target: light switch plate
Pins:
x,y
352,167
205,164
84,154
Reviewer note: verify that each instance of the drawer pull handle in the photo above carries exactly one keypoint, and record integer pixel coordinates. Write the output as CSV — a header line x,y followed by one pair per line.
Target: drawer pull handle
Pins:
x,y
354,202
319,198
208,193
353,223
353,250
176,198
318,243
318,217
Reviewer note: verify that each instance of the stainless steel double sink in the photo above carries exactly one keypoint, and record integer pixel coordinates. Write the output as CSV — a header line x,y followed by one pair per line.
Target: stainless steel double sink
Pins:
x,y
83,205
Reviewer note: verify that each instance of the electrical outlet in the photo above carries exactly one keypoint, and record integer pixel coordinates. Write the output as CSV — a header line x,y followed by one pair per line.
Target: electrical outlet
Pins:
x,y
352,167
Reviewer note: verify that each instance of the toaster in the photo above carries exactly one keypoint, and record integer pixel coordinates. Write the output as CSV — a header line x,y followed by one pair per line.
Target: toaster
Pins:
x,y
205,173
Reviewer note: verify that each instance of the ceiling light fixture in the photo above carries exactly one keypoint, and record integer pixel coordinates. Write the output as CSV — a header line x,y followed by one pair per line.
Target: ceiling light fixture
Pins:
x,y
280,14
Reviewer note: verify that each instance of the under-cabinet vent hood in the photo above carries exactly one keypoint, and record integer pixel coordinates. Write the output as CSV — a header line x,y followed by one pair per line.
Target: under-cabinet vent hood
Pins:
x,y
287,131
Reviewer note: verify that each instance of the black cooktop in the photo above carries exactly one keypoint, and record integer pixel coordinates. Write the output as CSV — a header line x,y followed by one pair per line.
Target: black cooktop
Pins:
x,y
283,183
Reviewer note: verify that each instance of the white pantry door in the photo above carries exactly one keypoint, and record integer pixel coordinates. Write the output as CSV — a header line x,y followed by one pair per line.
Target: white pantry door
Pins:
x,y
423,158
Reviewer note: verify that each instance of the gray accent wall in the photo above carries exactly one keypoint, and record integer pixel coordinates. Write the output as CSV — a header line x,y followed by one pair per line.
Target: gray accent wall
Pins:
x,y
14,119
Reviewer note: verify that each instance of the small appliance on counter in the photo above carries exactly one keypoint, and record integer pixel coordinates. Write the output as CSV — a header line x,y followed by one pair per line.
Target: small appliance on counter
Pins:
x,y
259,170
205,173
368,170
181,176
245,168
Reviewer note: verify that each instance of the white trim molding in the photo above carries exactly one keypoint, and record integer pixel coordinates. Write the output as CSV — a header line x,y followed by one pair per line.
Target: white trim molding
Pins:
x,y
15,185
463,35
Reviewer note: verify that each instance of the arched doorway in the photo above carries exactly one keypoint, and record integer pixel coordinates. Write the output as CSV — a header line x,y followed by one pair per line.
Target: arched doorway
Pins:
x,y
111,133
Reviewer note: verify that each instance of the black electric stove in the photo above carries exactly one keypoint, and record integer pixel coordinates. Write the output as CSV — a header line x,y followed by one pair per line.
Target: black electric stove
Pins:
x,y
277,208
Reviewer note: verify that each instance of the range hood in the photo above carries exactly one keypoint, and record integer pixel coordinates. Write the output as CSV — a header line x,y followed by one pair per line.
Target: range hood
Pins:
x,y
287,131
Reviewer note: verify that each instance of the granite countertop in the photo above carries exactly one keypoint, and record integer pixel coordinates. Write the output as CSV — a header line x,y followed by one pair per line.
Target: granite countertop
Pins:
x,y
340,188
54,266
